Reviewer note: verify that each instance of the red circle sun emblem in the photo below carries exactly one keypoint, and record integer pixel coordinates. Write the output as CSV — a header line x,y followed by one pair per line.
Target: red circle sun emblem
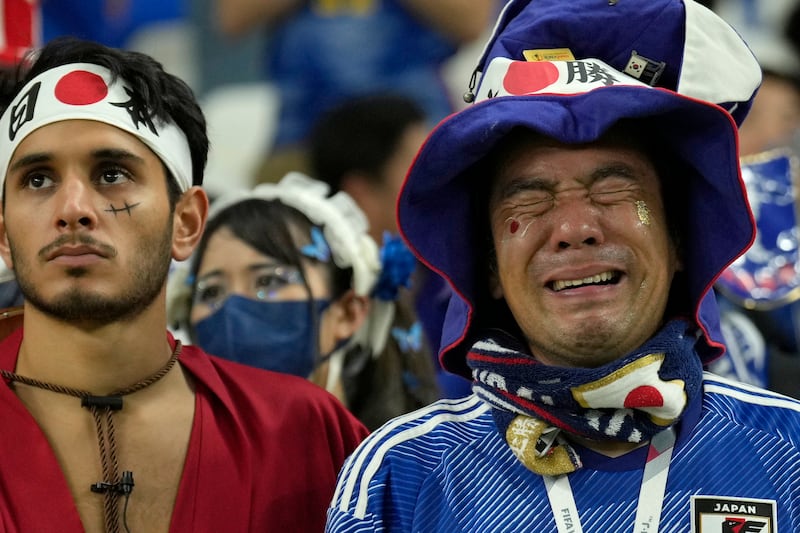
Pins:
x,y
644,396
526,78
81,88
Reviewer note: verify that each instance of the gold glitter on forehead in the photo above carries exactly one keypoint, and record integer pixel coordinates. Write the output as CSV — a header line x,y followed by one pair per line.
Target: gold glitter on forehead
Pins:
x,y
643,212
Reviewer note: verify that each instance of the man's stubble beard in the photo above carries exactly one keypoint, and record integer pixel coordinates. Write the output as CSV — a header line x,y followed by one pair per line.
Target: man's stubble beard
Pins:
x,y
144,283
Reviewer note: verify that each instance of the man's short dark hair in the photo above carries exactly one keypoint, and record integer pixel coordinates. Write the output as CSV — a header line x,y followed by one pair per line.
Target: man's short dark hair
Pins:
x,y
360,134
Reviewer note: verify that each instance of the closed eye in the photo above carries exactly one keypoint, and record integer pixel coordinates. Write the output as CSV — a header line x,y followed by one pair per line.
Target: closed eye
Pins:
x,y
531,207
611,197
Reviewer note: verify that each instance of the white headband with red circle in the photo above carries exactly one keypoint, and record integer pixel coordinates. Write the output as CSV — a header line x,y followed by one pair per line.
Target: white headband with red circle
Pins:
x,y
86,91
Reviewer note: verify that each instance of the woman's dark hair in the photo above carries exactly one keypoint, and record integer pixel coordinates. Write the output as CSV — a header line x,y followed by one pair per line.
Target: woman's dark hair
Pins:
x,y
166,96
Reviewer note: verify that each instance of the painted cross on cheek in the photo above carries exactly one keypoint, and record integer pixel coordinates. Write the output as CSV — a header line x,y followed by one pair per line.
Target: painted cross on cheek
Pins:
x,y
127,208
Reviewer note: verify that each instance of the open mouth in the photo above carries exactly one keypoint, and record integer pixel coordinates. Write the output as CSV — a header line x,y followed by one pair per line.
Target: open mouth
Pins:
x,y
609,277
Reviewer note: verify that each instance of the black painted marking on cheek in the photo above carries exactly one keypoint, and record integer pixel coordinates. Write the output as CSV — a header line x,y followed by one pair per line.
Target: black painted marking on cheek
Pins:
x,y
126,209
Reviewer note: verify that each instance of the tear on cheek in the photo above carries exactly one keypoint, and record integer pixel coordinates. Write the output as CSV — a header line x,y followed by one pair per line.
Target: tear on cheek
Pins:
x,y
643,212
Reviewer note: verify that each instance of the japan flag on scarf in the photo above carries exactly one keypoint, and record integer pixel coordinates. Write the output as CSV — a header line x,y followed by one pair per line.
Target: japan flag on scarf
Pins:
x,y
20,29
637,385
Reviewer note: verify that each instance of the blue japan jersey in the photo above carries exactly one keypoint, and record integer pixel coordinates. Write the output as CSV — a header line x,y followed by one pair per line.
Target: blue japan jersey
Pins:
x,y
445,468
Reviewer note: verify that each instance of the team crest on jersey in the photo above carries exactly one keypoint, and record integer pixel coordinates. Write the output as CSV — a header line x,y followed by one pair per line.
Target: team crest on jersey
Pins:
x,y
718,514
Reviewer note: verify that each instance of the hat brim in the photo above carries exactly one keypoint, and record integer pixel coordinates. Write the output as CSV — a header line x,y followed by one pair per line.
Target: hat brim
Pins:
x,y
435,207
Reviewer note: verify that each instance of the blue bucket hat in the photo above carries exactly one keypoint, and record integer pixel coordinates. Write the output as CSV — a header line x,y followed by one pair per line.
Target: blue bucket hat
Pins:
x,y
570,71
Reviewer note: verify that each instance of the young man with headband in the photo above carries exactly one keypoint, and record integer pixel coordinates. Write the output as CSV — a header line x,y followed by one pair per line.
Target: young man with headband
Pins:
x,y
110,424
581,210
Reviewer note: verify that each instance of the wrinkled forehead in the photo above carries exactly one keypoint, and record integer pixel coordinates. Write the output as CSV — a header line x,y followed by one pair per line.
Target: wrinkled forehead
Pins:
x,y
626,142
631,135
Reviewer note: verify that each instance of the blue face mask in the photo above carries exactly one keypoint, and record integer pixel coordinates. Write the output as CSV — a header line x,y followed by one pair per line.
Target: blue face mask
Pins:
x,y
279,336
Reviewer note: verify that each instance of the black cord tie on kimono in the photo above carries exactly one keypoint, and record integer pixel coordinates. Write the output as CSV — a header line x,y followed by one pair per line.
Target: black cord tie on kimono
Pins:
x,y
102,409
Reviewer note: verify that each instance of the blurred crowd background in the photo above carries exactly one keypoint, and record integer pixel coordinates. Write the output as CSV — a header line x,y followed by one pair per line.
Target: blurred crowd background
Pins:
x,y
229,64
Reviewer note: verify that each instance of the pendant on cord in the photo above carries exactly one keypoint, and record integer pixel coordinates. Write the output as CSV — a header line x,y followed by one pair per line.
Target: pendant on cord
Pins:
x,y
108,404
124,486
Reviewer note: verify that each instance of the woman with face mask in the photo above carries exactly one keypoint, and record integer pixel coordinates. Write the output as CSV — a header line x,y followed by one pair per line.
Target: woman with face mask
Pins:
x,y
287,278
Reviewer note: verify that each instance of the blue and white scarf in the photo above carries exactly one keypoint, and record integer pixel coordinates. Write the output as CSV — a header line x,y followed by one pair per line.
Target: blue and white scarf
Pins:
x,y
628,400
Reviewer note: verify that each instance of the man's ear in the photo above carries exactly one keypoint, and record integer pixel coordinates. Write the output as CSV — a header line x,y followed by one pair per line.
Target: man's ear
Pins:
x,y
5,248
189,222
495,288
680,254
349,313
680,266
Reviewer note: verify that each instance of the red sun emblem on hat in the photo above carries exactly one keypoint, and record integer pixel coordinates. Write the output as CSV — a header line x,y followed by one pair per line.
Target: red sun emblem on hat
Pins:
x,y
529,77
81,88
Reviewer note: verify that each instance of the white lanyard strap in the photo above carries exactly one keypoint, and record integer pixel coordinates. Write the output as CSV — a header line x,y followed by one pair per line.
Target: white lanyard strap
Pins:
x,y
651,492
559,492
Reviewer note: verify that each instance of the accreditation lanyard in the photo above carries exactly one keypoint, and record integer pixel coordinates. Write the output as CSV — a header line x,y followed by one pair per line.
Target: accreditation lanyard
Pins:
x,y
651,493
